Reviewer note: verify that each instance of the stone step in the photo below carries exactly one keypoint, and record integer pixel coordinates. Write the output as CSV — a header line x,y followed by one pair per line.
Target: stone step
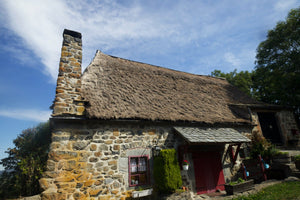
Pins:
x,y
296,174
292,152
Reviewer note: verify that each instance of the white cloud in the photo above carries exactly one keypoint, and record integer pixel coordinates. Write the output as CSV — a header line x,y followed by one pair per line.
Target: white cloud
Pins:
x,y
26,114
232,59
135,28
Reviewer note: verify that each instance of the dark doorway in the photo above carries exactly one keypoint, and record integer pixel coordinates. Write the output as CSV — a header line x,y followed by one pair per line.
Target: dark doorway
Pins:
x,y
208,172
269,127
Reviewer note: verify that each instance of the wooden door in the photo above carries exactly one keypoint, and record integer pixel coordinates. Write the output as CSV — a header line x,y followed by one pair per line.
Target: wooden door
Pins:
x,y
208,172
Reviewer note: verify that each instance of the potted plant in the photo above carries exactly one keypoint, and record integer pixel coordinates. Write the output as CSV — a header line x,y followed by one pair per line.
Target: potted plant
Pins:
x,y
239,186
185,165
297,161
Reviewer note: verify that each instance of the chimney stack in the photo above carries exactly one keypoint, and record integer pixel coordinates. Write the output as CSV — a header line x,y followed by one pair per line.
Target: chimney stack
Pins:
x,y
68,100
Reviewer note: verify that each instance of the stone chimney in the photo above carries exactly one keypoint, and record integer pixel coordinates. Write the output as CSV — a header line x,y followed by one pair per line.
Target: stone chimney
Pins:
x,y
68,100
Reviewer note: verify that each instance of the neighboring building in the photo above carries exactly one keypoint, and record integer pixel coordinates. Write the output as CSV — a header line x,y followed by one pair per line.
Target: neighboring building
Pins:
x,y
108,122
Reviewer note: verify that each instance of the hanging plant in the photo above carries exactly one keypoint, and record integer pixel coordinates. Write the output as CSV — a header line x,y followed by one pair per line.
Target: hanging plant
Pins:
x,y
185,162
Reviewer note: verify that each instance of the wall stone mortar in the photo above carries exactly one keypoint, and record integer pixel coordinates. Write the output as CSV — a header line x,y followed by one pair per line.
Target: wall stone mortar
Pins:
x,y
93,163
68,100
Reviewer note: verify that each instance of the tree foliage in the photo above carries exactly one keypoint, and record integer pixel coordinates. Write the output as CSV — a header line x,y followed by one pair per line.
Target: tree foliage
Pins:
x,y
25,162
276,78
242,79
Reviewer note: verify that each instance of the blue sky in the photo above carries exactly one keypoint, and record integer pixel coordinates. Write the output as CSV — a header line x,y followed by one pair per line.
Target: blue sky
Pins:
x,y
193,36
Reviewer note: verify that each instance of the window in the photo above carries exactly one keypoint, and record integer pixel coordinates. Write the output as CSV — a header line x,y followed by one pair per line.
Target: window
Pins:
x,y
138,170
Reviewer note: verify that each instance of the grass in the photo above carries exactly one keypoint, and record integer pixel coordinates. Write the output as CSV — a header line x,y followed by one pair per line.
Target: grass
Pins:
x,y
281,191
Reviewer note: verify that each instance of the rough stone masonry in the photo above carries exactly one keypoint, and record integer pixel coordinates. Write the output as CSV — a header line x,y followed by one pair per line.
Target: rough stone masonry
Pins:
x,y
68,100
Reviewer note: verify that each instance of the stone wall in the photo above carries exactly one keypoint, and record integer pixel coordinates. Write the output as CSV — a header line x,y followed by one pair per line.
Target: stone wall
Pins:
x,y
68,99
92,163
287,126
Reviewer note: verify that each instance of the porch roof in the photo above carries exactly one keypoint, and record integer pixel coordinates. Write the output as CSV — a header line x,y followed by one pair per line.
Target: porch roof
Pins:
x,y
211,135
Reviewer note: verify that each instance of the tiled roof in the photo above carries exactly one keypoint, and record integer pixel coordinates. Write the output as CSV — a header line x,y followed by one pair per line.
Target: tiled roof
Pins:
x,y
211,135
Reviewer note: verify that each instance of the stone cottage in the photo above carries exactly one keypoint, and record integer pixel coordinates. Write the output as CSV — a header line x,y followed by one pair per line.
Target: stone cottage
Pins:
x,y
109,121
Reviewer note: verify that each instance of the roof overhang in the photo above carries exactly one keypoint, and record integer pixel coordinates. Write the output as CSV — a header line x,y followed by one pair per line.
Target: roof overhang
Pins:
x,y
194,135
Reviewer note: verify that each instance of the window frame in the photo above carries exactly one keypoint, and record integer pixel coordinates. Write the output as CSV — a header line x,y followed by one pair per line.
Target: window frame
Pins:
x,y
147,172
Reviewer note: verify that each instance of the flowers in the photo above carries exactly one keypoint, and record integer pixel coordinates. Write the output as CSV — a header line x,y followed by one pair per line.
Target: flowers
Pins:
x,y
185,162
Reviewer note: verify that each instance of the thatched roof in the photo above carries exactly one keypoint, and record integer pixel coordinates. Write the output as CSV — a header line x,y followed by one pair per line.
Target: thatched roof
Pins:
x,y
117,88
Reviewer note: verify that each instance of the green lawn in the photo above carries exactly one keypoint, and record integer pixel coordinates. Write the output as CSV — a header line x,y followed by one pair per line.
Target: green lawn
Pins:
x,y
281,191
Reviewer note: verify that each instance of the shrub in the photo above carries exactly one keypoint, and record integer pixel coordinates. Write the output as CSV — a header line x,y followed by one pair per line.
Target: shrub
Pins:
x,y
260,146
297,158
166,171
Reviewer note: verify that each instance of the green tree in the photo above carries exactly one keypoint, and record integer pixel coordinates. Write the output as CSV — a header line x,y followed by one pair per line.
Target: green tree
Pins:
x,y
276,78
242,79
25,162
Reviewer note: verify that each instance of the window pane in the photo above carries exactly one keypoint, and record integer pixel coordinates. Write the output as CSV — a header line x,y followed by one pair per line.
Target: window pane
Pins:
x,y
133,165
142,164
134,180
143,179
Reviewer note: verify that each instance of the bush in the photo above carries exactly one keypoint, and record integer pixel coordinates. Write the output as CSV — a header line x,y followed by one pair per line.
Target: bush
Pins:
x,y
297,158
260,146
166,171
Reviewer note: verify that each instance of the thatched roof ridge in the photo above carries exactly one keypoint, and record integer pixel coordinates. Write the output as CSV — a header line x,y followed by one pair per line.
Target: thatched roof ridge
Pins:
x,y
117,88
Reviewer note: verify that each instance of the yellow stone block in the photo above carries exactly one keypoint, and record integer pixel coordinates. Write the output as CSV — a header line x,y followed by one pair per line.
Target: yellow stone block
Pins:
x,y
98,154
65,177
151,132
93,147
65,54
72,59
113,162
108,142
95,192
89,183
79,196
106,197
110,173
116,132
83,176
44,183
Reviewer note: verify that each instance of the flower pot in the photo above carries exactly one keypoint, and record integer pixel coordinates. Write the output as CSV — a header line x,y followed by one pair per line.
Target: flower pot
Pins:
x,y
185,167
239,187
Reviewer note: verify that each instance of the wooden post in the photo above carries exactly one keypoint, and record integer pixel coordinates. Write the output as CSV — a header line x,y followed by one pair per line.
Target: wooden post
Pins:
x,y
236,153
262,167
233,154
244,172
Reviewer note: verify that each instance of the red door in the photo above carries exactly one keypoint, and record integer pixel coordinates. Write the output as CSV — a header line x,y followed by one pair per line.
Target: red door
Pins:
x,y
208,172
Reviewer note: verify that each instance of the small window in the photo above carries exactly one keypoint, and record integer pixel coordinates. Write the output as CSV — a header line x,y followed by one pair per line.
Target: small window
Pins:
x,y
138,170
